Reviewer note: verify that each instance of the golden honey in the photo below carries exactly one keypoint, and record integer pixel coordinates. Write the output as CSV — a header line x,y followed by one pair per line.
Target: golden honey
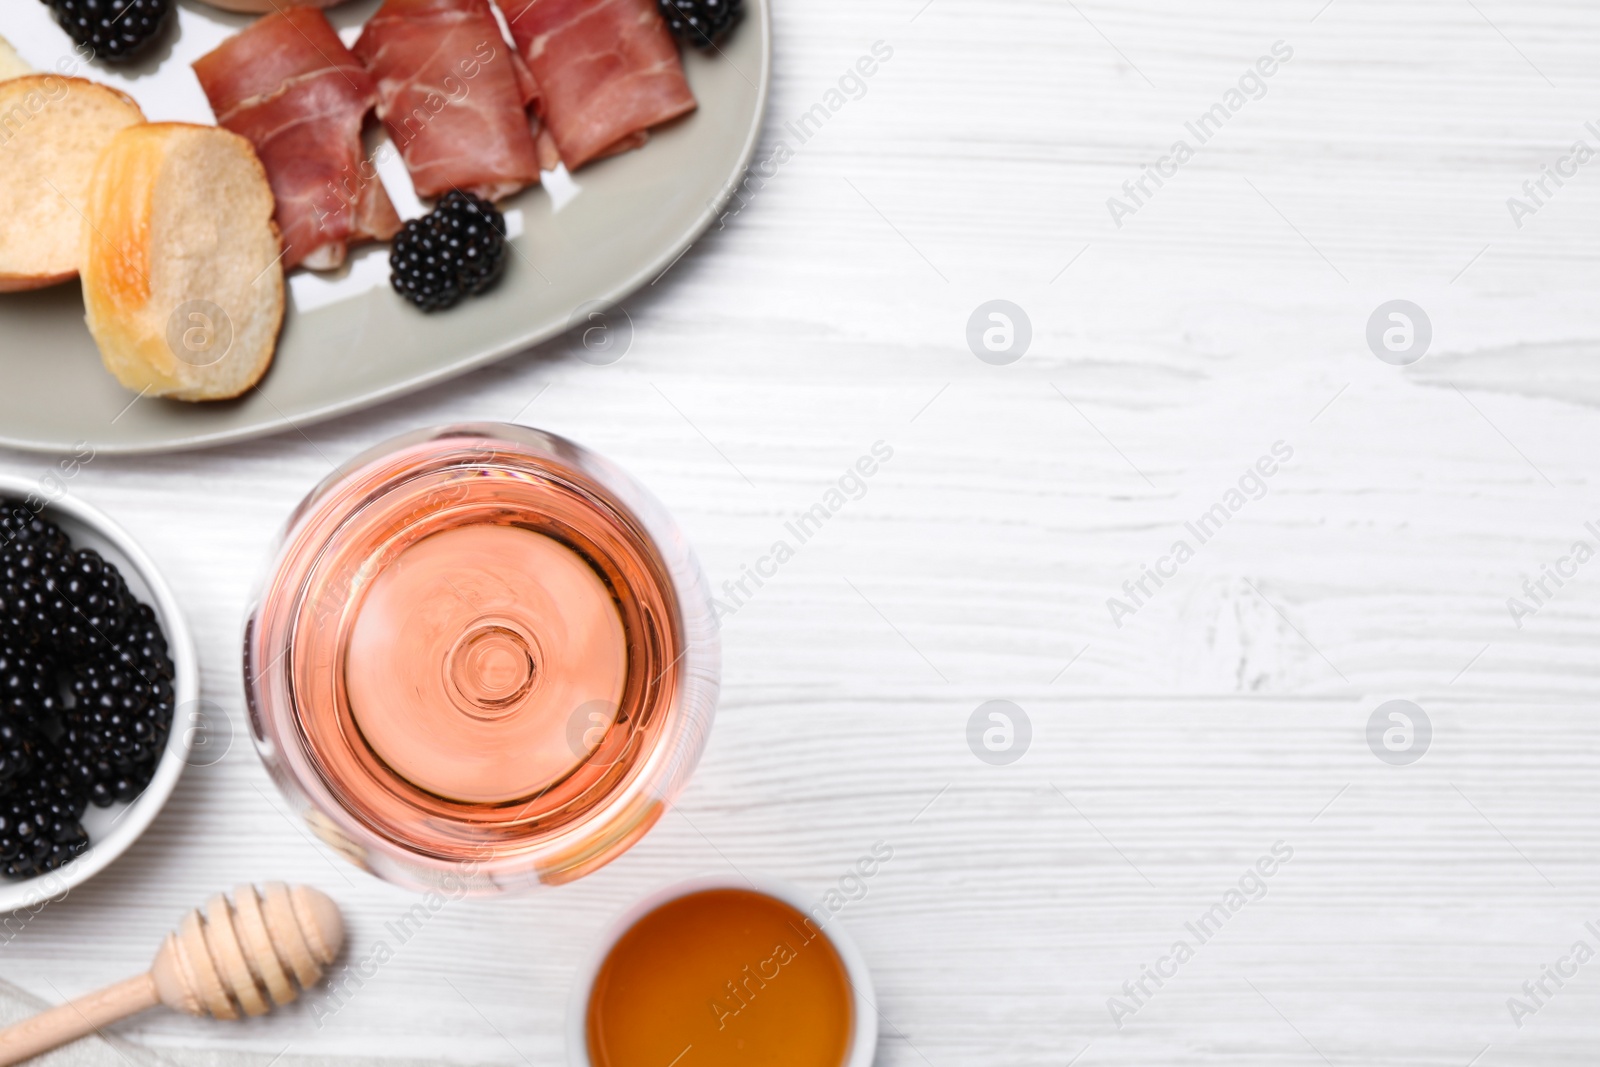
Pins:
x,y
721,978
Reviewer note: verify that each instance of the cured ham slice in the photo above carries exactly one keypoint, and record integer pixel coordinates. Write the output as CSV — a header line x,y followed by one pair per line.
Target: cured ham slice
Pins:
x,y
289,86
608,70
454,96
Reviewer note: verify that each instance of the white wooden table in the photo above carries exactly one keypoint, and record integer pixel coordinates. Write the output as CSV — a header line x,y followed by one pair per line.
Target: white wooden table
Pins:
x,y
1226,714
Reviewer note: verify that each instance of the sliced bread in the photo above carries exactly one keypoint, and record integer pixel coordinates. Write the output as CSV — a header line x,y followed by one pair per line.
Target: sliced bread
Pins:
x,y
52,129
182,277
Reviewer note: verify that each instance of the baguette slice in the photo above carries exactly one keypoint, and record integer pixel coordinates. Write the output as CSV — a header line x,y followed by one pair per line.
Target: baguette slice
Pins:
x,y
52,129
181,262
11,64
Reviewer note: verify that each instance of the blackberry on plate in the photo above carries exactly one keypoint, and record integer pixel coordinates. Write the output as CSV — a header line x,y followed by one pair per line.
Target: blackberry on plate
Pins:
x,y
701,23
456,250
113,30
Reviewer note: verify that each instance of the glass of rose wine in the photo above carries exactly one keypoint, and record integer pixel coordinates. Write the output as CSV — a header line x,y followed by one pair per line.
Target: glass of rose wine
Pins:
x,y
482,657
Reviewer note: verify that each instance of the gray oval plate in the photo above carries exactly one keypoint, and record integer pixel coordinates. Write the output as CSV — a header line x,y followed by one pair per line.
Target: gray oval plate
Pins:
x,y
580,243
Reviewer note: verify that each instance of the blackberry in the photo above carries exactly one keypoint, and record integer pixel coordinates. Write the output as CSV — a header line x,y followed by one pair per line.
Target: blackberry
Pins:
x,y
701,23
29,691
113,30
27,571
86,605
42,861
144,641
456,250
20,525
116,730
67,616
39,825
96,780
16,754
33,555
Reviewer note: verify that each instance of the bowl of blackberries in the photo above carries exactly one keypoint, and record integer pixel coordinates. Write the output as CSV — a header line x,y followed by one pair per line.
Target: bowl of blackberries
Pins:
x,y
94,660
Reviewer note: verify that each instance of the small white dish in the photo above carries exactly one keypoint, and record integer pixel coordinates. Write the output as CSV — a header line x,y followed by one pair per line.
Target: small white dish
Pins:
x,y
112,830
864,1029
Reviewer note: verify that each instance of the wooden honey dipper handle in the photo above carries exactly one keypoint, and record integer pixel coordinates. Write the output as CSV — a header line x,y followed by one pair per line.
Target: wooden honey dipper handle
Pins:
x,y
236,958
78,1018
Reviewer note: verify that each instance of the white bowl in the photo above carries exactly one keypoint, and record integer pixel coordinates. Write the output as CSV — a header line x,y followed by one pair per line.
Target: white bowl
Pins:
x,y
113,829
864,1031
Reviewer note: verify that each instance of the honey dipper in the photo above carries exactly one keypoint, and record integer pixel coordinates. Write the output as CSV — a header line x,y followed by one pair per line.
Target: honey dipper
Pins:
x,y
232,959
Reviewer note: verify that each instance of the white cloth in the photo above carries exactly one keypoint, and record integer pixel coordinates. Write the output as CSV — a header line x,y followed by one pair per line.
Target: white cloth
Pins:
x,y
113,1051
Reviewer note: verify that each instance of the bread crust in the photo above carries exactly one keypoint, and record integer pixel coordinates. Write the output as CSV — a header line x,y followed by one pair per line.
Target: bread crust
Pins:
x,y
182,279
52,129
21,283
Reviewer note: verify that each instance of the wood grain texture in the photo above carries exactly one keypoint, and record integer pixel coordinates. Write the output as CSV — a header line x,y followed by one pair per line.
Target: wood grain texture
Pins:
x,y
1168,754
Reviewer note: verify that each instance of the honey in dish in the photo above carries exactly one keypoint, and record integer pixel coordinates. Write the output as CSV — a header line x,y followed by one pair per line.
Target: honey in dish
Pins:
x,y
721,978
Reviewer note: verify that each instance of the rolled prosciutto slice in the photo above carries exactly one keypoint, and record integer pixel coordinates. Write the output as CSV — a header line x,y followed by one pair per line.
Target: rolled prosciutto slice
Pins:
x,y
289,86
453,94
608,70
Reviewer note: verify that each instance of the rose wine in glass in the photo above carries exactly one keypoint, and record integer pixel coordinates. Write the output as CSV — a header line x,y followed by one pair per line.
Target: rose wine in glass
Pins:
x,y
482,656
